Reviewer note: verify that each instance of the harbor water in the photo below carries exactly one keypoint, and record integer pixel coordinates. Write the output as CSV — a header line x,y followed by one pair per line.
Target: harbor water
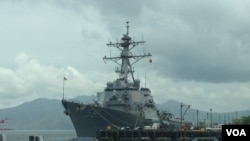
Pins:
x,y
48,135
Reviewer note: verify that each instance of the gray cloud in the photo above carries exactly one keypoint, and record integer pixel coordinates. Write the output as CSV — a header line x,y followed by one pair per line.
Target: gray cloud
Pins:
x,y
200,48
204,41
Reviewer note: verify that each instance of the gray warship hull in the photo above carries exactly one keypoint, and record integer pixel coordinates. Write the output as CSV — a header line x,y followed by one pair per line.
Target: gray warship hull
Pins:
x,y
87,119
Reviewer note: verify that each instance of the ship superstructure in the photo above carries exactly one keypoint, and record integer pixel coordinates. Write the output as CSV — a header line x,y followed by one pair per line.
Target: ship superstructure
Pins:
x,y
122,94
123,103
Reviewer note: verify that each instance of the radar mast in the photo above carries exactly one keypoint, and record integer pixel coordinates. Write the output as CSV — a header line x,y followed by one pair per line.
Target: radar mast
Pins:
x,y
125,46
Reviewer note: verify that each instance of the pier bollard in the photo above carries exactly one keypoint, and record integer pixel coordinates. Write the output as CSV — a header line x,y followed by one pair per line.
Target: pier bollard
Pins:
x,y
3,137
35,138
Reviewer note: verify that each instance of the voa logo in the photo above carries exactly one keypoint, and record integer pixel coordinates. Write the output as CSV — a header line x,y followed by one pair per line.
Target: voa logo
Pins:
x,y
236,132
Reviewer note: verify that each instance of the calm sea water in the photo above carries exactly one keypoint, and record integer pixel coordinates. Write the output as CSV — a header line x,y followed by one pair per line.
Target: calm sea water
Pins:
x,y
48,135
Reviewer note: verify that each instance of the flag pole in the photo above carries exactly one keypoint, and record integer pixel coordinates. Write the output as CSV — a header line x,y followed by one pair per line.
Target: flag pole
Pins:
x,y
64,78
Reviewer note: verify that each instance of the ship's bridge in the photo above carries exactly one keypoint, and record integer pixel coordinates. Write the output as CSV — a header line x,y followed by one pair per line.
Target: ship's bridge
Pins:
x,y
120,85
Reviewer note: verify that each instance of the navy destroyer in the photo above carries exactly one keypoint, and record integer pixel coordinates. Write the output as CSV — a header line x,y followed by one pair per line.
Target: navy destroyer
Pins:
x,y
123,103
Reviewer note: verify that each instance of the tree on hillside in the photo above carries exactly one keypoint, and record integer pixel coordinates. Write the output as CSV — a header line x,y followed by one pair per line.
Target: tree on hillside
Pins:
x,y
242,121
246,120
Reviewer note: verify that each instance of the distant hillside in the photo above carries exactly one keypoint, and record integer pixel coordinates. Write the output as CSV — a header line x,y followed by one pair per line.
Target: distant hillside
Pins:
x,y
38,114
48,114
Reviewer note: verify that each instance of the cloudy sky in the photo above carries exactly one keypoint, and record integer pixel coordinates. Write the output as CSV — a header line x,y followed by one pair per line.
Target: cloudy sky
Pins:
x,y
200,49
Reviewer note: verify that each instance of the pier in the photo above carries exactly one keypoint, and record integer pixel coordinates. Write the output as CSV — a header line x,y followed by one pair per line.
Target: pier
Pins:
x,y
157,135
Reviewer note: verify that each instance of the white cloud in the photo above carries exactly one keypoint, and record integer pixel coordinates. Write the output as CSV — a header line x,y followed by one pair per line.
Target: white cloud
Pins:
x,y
32,80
